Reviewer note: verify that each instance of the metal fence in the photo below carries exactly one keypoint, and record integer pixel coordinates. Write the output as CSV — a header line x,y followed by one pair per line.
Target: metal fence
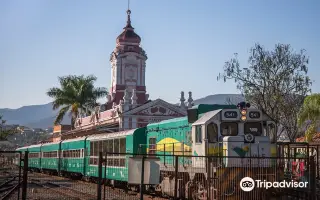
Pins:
x,y
12,175
150,176
197,177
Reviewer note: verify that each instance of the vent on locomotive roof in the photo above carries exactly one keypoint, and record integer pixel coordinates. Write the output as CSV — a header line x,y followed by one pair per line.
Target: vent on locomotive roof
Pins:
x,y
192,115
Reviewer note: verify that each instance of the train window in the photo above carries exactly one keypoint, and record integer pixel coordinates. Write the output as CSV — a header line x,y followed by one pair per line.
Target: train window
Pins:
x,y
91,148
254,128
123,145
110,146
101,146
105,146
212,133
109,161
229,128
116,162
116,146
122,162
198,134
33,155
94,149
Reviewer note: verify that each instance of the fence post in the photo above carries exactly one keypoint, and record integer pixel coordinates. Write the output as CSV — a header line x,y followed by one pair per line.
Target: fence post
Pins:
x,y
312,179
105,175
142,179
99,176
176,177
25,176
208,177
19,179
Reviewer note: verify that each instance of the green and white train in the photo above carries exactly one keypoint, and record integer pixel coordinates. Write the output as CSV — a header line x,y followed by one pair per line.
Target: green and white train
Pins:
x,y
219,131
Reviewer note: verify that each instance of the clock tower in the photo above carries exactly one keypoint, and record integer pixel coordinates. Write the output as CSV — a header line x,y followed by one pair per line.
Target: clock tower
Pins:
x,y
128,67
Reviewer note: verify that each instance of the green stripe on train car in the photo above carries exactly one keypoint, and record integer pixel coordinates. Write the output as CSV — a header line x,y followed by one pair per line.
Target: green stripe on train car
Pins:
x,y
69,163
52,162
34,160
133,140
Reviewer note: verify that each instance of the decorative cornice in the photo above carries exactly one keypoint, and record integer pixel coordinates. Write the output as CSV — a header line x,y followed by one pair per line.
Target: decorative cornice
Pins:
x,y
155,102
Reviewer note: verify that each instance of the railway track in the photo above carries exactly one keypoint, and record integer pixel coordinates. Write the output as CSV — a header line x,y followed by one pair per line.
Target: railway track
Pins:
x,y
65,191
79,186
11,183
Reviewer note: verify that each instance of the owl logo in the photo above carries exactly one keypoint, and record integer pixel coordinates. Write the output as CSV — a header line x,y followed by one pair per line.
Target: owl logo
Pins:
x,y
241,151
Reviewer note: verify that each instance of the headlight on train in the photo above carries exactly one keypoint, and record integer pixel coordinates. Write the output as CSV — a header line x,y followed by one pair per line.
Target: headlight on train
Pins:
x,y
244,114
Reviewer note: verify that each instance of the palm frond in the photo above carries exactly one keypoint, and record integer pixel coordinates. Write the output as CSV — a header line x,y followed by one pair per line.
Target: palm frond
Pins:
x,y
100,92
61,114
90,79
54,92
77,93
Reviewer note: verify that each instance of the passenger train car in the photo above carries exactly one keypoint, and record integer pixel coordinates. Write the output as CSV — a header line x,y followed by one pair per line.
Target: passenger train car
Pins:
x,y
210,138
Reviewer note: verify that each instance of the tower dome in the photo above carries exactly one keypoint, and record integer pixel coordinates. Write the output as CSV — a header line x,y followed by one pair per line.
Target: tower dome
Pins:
x,y
128,35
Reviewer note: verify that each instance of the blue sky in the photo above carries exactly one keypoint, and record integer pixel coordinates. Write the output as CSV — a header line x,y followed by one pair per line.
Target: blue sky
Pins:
x,y
187,42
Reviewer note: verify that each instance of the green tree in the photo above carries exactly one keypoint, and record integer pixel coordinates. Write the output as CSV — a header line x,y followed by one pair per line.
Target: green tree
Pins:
x,y
274,81
76,95
309,115
5,130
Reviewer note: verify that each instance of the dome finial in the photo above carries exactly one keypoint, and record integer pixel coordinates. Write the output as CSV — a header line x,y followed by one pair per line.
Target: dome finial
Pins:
x,y
128,13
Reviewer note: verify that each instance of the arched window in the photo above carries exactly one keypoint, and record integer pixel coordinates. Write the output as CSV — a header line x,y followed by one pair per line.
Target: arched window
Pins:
x,y
212,133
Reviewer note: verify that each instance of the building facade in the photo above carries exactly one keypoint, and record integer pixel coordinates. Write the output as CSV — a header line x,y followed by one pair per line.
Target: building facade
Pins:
x,y
128,105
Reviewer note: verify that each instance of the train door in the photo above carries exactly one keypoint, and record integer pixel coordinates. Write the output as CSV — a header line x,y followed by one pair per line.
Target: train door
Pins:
x,y
212,136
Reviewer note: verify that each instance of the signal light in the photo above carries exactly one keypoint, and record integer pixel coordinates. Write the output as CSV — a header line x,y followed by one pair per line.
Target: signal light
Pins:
x,y
244,114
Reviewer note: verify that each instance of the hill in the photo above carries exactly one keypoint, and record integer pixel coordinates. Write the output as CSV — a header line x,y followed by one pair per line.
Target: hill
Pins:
x,y
34,116
220,99
42,116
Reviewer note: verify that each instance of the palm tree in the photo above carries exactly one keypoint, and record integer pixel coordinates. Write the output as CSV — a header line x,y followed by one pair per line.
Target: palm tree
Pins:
x,y
77,95
310,113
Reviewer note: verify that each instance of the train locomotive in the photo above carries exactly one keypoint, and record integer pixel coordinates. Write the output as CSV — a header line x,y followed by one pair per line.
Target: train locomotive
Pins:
x,y
210,139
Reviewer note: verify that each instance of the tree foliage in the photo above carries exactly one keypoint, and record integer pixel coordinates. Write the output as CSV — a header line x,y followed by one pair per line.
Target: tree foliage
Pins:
x,y
309,115
76,95
275,81
5,130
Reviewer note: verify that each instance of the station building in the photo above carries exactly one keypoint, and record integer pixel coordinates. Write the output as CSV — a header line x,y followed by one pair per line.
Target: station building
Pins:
x,y
128,105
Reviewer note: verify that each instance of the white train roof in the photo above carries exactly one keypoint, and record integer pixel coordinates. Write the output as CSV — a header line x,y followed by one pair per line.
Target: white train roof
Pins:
x,y
105,136
34,145
75,139
51,143
206,117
